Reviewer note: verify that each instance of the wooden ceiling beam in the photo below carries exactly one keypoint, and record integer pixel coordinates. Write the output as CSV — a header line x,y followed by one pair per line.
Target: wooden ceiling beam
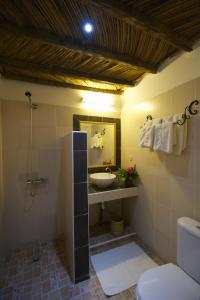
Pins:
x,y
81,46
145,22
34,67
60,84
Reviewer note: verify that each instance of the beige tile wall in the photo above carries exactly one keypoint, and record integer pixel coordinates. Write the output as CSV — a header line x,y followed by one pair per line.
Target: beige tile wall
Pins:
x,y
169,186
1,191
50,124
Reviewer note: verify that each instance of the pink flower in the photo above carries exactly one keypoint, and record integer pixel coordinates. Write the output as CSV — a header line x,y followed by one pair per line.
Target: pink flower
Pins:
x,y
130,170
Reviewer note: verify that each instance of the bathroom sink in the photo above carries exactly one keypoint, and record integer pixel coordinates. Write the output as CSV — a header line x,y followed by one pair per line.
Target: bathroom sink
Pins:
x,y
102,180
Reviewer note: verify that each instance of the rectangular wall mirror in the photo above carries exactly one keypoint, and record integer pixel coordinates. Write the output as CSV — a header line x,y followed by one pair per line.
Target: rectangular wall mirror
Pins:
x,y
104,141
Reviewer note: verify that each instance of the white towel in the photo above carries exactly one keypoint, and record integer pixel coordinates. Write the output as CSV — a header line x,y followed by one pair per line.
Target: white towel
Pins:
x,y
185,135
164,137
181,136
100,142
171,119
147,135
97,141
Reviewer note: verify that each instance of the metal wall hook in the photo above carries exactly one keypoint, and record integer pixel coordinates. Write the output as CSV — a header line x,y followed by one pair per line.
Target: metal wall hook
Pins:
x,y
189,110
149,117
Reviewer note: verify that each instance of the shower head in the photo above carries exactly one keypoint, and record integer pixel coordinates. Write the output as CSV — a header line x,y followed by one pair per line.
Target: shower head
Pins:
x,y
28,94
32,105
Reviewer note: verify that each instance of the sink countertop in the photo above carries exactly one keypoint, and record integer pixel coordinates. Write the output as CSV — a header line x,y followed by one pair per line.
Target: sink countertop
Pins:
x,y
92,188
114,192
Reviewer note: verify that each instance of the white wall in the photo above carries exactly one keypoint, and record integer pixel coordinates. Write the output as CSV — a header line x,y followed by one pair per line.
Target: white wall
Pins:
x,y
169,184
183,69
14,90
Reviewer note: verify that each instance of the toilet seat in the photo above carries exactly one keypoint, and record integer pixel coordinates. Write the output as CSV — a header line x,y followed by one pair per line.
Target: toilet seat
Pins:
x,y
167,282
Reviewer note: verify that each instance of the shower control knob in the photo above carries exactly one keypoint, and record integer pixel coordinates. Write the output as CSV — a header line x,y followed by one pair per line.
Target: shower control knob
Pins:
x,y
36,180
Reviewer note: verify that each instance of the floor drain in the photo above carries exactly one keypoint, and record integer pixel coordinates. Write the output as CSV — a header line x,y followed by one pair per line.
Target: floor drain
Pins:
x,y
36,258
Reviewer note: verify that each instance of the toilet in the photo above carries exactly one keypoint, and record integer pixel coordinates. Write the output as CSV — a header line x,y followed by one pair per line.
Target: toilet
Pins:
x,y
172,282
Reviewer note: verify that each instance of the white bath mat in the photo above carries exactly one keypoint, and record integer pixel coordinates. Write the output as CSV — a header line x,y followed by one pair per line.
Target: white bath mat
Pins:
x,y
120,268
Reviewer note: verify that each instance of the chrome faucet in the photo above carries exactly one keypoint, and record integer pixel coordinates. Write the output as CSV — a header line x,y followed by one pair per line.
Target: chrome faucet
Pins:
x,y
108,170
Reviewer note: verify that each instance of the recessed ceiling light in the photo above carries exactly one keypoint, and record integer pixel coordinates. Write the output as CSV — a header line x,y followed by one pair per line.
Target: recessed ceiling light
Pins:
x,y
88,27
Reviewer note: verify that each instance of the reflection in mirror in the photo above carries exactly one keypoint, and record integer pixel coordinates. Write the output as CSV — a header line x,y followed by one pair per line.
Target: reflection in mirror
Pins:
x,y
101,143
104,141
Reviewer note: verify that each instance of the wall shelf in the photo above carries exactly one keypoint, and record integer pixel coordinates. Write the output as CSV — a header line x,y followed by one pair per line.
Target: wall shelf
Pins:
x,y
107,238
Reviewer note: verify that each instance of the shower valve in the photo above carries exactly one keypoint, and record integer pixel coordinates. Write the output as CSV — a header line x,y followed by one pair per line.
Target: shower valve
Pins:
x,y
36,181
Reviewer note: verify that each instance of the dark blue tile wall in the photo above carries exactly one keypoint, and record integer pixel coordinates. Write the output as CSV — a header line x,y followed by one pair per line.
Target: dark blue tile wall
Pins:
x,y
81,231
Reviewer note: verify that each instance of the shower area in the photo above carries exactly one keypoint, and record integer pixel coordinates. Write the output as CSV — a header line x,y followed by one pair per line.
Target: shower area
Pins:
x,y
31,153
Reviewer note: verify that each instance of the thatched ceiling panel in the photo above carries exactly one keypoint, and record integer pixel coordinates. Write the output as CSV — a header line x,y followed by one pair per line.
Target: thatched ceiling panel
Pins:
x,y
33,51
182,15
61,79
145,47
66,18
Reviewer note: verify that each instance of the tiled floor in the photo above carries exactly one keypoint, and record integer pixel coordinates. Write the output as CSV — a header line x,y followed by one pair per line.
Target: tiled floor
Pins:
x,y
23,279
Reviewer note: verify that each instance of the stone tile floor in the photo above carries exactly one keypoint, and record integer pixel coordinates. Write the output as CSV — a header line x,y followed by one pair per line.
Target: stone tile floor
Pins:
x,y
47,279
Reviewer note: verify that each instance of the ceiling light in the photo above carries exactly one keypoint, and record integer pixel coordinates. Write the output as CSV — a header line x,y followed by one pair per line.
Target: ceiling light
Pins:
x,y
88,27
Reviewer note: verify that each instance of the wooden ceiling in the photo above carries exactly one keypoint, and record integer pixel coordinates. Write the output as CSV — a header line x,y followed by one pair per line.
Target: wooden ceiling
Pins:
x,y
43,41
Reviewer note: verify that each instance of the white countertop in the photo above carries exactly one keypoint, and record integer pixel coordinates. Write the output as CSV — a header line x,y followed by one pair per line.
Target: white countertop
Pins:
x,y
110,195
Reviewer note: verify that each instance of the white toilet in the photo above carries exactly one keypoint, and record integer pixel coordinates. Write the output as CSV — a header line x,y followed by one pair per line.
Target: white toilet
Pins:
x,y
171,282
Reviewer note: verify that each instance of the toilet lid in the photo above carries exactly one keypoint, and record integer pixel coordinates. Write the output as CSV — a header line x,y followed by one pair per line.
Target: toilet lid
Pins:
x,y
167,282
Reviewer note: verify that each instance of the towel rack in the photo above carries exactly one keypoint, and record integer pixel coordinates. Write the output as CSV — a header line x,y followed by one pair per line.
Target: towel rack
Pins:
x,y
189,110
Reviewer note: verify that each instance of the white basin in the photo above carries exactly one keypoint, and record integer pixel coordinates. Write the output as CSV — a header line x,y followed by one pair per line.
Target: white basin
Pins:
x,y
102,179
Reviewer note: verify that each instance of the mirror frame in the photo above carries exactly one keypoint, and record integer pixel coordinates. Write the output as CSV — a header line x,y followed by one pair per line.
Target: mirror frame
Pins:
x,y
77,119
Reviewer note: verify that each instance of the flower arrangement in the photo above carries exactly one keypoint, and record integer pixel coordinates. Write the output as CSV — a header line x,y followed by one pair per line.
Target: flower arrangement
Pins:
x,y
128,174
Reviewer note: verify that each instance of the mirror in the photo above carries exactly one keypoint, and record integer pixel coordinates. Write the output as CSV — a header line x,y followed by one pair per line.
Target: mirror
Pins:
x,y
104,139
101,143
